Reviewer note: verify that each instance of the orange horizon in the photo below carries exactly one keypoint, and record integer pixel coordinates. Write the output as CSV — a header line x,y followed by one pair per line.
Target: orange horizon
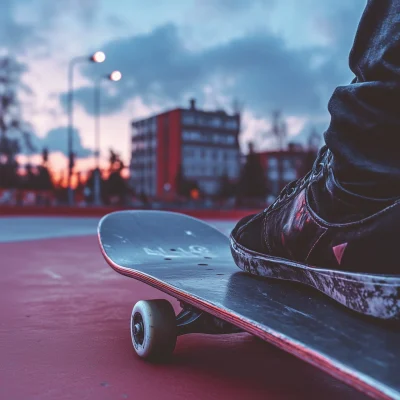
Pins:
x,y
58,168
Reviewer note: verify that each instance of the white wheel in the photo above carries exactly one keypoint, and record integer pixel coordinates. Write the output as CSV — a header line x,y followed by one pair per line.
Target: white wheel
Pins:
x,y
153,329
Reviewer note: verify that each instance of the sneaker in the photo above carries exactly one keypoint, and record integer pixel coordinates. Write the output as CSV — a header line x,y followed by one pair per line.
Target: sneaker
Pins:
x,y
318,233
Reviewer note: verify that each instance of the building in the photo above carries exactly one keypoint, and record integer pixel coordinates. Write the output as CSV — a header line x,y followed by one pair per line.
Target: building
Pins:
x,y
284,166
203,143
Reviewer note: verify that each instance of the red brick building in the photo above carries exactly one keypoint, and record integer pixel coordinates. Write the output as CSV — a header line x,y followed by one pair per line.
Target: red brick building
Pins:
x,y
204,143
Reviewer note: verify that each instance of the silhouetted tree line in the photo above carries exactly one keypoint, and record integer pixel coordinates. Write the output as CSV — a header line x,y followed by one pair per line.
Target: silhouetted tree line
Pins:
x,y
114,189
13,176
13,130
252,188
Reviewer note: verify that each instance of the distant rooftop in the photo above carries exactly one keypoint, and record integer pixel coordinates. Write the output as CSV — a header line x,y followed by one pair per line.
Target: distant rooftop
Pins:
x,y
192,107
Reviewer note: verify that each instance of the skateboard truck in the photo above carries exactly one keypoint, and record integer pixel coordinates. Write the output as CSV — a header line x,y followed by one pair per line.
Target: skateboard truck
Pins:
x,y
193,320
155,328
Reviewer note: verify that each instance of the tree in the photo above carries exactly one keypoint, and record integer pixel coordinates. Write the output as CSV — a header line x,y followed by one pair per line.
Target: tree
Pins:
x,y
45,157
180,182
12,127
313,140
252,183
30,179
8,163
114,160
184,186
116,184
278,130
44,181
311,153
226,188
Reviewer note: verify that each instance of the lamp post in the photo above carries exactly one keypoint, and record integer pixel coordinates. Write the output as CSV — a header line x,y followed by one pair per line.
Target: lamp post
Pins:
x,y
97,57
115,76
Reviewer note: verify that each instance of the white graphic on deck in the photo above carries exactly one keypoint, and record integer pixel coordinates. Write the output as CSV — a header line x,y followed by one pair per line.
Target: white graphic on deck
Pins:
x,y
179,252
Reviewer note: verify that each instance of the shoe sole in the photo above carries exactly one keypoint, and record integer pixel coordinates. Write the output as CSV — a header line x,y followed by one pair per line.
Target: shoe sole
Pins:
x,y
369,294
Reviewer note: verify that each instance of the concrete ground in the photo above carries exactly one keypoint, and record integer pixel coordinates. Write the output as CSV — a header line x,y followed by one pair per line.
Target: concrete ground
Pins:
x,y
64,331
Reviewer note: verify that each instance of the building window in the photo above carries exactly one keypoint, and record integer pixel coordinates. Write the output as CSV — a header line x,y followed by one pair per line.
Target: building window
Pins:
x,y
231,124
272,162
289,175
273,175
153,125
230,139
188,119
193,136
287,163
215,122
202,121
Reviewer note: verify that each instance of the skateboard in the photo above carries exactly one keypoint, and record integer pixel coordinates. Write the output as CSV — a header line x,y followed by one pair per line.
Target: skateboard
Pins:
x,y
191,261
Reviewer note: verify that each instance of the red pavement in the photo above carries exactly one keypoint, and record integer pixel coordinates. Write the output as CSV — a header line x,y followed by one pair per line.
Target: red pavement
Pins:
x,y
64,334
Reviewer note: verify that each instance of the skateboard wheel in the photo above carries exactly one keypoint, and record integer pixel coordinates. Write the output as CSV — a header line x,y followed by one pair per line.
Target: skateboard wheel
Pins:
x,y
153,329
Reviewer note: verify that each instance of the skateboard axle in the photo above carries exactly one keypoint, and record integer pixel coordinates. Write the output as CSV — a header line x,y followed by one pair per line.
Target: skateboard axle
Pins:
x,y
137,329
193,320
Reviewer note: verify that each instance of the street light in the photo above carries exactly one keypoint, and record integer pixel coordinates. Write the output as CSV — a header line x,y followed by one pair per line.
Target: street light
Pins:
x,y
97,57
115,76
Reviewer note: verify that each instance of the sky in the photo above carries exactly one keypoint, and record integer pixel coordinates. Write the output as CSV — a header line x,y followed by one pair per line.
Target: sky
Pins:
x,y
267,55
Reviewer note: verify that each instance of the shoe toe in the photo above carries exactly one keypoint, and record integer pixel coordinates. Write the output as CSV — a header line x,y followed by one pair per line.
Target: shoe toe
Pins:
x,y
248,232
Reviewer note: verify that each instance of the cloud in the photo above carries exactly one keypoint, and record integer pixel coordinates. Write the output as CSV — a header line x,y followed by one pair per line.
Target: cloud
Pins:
x,y
50,12
56,140
230,6
40,18
116,22
257,68
14,34
260,67
266,74
338,25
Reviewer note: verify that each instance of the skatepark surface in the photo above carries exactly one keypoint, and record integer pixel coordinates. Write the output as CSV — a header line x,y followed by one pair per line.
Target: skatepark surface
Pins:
x,y
64,331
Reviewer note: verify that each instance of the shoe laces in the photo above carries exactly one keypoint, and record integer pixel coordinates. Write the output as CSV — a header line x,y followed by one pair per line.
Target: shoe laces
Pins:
x,y
292,187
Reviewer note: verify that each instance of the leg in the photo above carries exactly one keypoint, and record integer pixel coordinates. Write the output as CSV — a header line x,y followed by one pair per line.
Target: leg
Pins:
x,y
337,228
365,115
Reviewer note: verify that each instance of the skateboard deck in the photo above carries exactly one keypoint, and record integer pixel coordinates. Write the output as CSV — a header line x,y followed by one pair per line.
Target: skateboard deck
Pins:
x,y
191,261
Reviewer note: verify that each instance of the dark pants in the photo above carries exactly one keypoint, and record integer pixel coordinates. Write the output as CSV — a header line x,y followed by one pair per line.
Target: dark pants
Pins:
x,y
364,133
